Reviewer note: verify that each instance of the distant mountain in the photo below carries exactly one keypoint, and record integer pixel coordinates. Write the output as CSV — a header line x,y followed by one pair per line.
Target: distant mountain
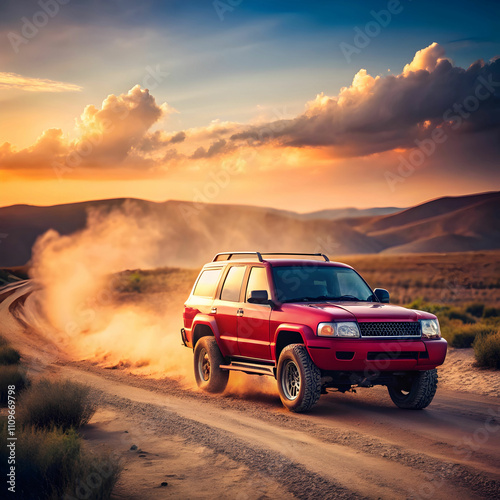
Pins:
x,y
191,233
344,213
444,225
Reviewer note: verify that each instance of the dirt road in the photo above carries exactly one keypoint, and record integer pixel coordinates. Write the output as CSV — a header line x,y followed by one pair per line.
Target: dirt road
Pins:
x,y
245,447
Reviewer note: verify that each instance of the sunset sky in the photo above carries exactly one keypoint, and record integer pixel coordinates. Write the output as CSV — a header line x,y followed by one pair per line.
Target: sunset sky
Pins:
x,y
289,104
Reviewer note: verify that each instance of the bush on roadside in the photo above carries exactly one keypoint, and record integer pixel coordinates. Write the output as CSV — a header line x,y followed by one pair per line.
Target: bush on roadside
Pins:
x,y
54,463
9,356
11,375
464,317
475,309
462,336
491,312
487,350
61,404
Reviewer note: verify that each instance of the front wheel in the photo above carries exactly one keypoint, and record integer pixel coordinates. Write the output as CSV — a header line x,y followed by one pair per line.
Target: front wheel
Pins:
x,y
414,391
207,361
299,379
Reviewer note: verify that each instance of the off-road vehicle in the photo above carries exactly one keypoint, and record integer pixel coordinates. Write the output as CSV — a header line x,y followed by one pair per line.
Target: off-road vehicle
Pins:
x,y
310,323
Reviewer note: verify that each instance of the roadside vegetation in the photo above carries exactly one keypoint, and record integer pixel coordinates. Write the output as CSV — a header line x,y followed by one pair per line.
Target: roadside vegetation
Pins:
x,y
11,372
471,325
52,460
453,278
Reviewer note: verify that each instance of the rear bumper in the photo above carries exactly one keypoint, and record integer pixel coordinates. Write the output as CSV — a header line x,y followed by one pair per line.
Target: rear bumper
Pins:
x,y
376,355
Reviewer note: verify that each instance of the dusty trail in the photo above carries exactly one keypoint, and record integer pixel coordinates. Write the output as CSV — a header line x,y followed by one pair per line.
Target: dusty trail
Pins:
x,y
350,446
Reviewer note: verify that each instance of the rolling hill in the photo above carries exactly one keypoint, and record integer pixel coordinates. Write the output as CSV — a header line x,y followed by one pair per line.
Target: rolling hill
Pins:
x,y
191,233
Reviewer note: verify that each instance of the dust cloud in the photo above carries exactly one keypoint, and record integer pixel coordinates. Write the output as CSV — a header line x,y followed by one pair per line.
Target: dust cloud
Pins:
x,y
78,299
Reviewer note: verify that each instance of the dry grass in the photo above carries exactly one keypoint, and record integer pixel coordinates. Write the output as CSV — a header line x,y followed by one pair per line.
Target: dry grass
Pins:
x,y
54,464
62,404
487,350
453,278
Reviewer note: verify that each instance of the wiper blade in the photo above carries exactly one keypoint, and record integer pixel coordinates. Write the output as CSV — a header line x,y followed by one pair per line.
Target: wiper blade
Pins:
x,y
323,298
348,297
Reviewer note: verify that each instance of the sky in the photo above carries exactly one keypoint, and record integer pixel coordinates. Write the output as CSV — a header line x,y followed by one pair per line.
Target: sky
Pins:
x,y
289,104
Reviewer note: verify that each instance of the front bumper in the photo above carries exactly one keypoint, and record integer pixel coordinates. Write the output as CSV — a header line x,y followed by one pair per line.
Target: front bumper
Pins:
x,y
377,355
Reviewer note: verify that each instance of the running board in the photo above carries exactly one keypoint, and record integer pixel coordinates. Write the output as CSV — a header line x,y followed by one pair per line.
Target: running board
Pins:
x,y
250,368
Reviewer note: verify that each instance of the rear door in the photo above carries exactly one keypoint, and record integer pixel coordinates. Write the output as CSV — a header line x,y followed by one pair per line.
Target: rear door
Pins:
x,y
225,307
253,319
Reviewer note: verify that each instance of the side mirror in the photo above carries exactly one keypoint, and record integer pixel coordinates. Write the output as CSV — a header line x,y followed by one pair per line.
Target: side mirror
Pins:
x,y
382,295
258,297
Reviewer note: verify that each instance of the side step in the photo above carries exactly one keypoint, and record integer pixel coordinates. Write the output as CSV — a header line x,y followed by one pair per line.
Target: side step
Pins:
x,y
250,368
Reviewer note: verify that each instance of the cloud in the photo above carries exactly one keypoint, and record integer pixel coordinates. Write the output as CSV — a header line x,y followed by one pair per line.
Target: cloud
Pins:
x,y
376,114
13,81
215,148
373,115
426,59
107,138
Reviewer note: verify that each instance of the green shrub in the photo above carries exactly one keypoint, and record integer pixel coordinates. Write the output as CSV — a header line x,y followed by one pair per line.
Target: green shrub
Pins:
x,y
61,404
464,317
461,336
53,464
11,375
491,312
487,350
475,309
9,356
421,305
463,339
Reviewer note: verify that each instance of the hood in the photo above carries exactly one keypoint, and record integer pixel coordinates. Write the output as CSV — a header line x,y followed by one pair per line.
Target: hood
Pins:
x,y
372,311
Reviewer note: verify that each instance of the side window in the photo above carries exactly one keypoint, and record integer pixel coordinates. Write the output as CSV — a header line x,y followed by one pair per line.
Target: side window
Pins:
x,y
232,284
257,281
207,283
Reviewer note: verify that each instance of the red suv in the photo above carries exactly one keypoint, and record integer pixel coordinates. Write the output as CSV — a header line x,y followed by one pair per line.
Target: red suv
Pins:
x,y
310,323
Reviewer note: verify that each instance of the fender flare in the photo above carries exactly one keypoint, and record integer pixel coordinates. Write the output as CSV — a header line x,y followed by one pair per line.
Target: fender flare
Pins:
x,y
208,320
303,330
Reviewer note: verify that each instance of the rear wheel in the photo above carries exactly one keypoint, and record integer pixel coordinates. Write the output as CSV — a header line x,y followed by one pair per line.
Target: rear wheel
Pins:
x,y
299,379
207,361
415,391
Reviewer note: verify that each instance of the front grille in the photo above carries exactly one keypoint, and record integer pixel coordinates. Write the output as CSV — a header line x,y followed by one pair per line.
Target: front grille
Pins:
x,y
391,329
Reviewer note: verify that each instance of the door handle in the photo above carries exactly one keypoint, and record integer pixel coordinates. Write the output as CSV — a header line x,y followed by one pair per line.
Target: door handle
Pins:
x,y
213,310
239,312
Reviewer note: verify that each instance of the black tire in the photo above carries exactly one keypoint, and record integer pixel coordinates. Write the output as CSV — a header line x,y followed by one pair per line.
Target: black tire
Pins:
x,y
299,379
207,359
415,391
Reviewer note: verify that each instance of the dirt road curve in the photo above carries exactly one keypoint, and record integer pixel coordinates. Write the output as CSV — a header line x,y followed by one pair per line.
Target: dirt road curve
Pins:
x,y
351,446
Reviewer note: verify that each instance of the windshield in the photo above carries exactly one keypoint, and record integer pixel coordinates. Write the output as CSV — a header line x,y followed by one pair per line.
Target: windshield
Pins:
x,y
312,283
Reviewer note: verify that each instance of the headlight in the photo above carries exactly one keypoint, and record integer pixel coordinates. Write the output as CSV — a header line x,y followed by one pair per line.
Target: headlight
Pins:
x,y
430,329
346,329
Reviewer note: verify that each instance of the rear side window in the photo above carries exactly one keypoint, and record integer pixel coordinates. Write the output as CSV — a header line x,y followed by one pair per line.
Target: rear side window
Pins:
x,y
207,283
232,284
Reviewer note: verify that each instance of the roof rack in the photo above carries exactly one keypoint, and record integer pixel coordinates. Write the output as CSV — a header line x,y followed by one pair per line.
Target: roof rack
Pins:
x,y
229,255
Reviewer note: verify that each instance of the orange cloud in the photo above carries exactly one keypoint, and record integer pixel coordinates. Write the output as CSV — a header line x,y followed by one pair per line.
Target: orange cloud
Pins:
x,y
13,81
107,138
373,115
